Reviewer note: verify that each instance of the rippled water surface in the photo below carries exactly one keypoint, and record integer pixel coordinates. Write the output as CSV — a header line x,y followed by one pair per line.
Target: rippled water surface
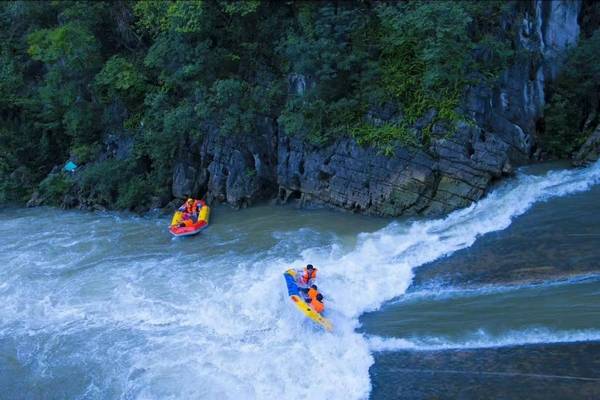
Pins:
x,y
111,306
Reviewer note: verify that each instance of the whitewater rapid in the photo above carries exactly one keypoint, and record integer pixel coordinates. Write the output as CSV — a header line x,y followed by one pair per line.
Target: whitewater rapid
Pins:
x,y
166,319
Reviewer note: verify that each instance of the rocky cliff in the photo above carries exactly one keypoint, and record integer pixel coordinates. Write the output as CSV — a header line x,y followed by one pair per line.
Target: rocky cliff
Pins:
x,y
452,172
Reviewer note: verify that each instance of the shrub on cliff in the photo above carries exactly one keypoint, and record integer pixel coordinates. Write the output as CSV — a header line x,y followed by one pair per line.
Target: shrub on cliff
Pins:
x,y
53,188
573,110
115,184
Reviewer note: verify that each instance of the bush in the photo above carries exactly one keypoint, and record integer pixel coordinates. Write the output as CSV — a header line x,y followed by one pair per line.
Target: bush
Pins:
x,y
54,187
115,183
386,137
573,110
84,153
134,195
415,54
120,78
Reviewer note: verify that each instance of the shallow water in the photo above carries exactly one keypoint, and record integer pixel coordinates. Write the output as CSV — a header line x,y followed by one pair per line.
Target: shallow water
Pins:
x,y
108,305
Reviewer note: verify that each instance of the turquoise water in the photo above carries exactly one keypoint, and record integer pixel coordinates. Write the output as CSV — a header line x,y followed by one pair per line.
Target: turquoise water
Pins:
x,y
109,305
567,310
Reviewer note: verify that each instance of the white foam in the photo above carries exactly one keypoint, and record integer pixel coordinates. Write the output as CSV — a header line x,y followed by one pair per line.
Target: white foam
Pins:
x,y
482,339
438,293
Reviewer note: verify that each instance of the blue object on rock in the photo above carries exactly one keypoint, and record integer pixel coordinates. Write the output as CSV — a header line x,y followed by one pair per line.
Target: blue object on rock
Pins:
x,y
70,166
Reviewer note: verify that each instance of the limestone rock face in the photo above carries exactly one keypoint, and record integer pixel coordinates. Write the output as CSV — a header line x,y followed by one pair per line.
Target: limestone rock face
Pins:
x,y
411,181
512,110
235,169
240,170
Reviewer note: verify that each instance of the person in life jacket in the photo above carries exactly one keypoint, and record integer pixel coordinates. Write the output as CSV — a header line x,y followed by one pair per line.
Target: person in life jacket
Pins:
x,y
309,293
309,275
191,210
317,303
312,292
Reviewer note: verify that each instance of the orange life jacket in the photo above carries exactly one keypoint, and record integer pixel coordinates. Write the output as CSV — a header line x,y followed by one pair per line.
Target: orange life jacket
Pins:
x,y
317,305
307,275
312,293
186,223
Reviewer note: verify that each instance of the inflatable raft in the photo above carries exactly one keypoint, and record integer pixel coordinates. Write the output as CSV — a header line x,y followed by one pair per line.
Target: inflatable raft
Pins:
x,y
301,305
181,227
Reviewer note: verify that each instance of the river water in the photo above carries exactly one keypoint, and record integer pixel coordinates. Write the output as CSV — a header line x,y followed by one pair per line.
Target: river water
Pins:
x,y
109,305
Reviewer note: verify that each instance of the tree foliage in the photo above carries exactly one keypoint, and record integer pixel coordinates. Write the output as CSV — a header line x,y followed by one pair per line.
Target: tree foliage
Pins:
x,y
164,73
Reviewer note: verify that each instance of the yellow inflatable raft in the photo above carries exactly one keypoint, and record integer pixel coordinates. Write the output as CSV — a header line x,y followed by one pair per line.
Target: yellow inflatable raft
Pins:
x,y
301,305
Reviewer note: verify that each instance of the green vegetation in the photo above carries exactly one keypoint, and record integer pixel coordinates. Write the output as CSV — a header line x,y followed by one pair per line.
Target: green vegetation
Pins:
x,y
383,137
54,187
117,183
164,73
573,111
